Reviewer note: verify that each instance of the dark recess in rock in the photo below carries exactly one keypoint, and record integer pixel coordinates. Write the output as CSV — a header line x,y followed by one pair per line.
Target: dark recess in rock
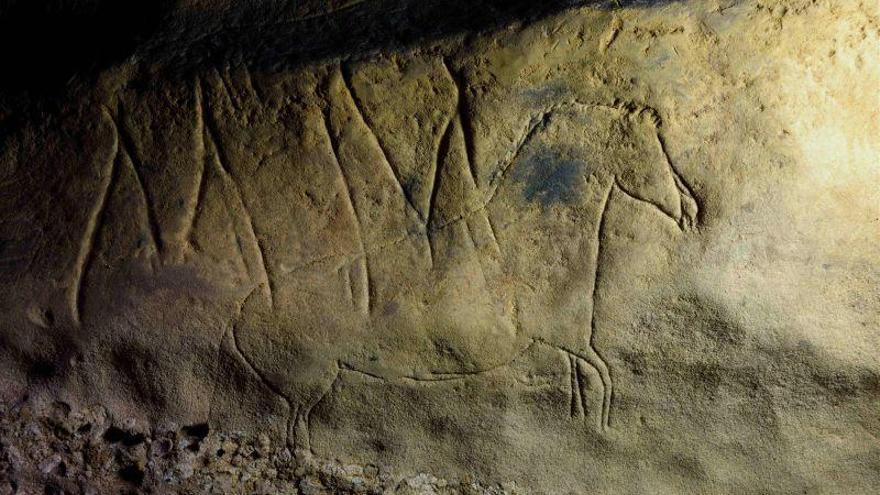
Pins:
x,y
48,44
44,43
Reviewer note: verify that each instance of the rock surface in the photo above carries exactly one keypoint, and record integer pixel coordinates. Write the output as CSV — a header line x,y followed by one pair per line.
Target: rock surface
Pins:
x,y
557,248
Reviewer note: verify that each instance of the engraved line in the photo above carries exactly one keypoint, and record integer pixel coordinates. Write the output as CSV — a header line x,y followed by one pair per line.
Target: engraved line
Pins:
x,y
240,248
432,377
533,127
307,411
442,150
128,147
608,389
430,228
492,232
541,119
380,247
467,133
220,158
573,384
334,148
345,271
227,88
250,83
584,400
93,226
650,203
261,252
468,214
369,124
581,400
445,377
463,118
367,289
268,384
476,252
585,356
679,180
199,194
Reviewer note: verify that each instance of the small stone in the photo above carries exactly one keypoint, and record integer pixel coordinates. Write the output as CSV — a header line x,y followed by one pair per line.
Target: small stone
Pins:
x,y
311,486
185,470
264,442
371,471
285,456
49,465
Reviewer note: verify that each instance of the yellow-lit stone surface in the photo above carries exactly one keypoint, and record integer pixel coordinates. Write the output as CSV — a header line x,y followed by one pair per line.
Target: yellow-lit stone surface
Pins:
x,y
604,249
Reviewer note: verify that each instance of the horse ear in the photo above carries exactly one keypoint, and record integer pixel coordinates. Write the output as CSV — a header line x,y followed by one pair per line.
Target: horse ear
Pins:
x,y
642,169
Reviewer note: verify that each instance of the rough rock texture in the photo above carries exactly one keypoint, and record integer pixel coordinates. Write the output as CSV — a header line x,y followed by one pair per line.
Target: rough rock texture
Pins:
x,y
55,450
613,247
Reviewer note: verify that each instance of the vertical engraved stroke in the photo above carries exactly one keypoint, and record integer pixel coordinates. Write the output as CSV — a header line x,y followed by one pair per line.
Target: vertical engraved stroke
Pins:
x,y
220,159
575,387
363,256
227,88
463,113
470,235
201,156
467,134
492,232
442,151
358,105
534,126
682,186
127,147
251,86
594,358
93,226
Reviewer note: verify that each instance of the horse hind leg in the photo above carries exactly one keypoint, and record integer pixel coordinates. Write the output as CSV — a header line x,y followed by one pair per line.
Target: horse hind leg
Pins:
x,y
299,424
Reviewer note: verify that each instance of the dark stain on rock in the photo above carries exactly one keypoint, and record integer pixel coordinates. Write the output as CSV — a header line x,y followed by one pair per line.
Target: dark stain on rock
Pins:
x,y
16,254
390,308
710,320
551,93
688,466
550,179
636,362
378,445
846,384
707,376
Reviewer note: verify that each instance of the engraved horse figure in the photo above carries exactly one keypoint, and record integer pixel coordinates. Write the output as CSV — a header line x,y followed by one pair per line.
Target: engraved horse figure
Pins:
x,y
460,285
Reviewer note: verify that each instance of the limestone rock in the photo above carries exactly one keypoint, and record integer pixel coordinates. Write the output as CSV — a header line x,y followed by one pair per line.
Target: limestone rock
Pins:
x,y
441,247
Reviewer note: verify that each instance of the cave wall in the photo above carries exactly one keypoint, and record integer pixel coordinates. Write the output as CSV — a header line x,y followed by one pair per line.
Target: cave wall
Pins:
x,y
580,248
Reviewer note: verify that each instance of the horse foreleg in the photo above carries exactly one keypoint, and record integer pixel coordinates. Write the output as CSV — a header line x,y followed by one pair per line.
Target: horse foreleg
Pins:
x,y
596,362
584,364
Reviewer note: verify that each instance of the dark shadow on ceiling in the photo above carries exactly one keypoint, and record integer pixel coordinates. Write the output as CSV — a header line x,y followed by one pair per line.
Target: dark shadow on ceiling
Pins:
x,y
366,27
44,44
